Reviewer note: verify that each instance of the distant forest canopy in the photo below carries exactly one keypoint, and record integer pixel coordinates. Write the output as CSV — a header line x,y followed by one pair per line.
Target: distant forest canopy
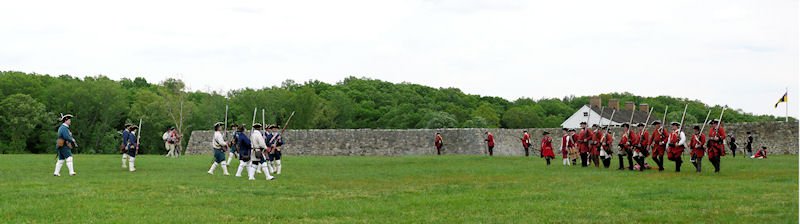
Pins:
x,y
31,104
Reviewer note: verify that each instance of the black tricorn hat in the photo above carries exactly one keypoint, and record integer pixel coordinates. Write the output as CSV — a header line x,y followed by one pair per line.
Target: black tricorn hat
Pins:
x,y
523,131
748,132
656,122
545,133
235,125
572,130
604,128
66,117
625,125
218,124
594,125
696,127
128,125
565,129
172,128
134,127
640,125
583,122
257,125
763,147
713,121
676,124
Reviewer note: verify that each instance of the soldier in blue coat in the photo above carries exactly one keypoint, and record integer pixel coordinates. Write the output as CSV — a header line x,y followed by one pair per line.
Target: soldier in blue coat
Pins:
x,y
132,146
64,145
244,152
232,143
125,135
275,141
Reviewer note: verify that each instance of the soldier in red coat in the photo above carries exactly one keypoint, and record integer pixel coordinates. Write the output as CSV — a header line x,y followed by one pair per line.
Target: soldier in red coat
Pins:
x,y
438,143
547,147
526,141
659,140
626,147
489,142
583,141
761,154
677,139
716,147
698,150
565,142
594,146
573,150
605,147
640,144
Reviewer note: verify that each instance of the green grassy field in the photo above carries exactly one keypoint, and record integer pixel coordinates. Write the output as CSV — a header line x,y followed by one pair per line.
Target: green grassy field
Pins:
x,y
395,190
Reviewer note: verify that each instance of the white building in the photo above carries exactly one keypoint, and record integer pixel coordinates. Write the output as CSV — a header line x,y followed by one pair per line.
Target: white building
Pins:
x,y
591,114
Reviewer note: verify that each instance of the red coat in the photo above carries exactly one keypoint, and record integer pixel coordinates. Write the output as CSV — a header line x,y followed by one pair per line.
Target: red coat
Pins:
x,y
677,150
644,140
761,154
490,140
565,145
716,148
595,146
698,150
609,140
633,138
438,141
625,141
526,139
583,140
547,147
659,139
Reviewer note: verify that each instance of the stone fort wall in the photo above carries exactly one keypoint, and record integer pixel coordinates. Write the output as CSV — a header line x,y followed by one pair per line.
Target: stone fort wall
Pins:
x,y
778,137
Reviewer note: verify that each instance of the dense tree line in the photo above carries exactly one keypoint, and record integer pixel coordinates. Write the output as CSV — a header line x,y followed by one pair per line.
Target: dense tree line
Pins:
x,y
30,105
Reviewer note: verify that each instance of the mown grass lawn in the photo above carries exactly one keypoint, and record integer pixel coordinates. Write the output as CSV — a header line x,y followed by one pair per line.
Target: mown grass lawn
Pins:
x,y
426,189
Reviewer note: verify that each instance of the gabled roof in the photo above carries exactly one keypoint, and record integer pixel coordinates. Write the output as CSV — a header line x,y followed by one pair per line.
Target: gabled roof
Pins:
x,y
624,116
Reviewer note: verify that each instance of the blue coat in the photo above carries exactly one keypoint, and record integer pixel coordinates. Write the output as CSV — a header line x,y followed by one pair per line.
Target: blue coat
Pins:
x,y
125,135
63,133
277,142
244,144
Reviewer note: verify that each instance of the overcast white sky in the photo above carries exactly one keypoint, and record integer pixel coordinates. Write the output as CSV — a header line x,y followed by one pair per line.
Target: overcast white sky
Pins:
x,y
739,53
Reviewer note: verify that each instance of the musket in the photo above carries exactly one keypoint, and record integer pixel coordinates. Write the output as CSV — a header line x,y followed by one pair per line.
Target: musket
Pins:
x,y
138,135
646,122
663,124
704,126
679,127
255,111
226,122
602,139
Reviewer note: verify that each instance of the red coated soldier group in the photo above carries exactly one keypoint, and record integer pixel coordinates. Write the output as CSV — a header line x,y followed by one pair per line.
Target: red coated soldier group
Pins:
x,y
596,145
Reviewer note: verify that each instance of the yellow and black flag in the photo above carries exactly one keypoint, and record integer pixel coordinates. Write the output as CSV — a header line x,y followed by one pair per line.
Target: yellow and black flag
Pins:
x,y
783,99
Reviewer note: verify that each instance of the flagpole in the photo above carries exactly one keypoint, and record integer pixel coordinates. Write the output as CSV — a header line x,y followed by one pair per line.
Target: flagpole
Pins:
x,y
787,104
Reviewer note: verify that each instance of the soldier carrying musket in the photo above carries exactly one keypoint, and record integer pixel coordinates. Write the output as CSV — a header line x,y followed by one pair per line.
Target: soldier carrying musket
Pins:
x,y
64,145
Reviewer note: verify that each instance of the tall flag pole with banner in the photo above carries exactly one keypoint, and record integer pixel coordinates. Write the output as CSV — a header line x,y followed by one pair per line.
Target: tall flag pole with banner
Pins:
x,y
784,100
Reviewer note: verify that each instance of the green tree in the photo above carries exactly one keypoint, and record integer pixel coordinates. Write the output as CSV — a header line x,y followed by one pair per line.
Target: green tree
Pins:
x,y
476,122
489,114
20,114
521,117
439,119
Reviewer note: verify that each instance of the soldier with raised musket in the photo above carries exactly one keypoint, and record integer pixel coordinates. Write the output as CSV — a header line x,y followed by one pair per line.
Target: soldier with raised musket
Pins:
x,y
716,147
64,145
625,144
584,135
698,149
677,139
640,146
659,140
125,135
220,146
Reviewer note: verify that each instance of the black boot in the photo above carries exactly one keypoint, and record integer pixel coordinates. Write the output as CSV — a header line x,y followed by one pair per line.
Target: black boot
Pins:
x,y
607,162
621,163
548,161
630,161
640,161
678,163
700,165
716,165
